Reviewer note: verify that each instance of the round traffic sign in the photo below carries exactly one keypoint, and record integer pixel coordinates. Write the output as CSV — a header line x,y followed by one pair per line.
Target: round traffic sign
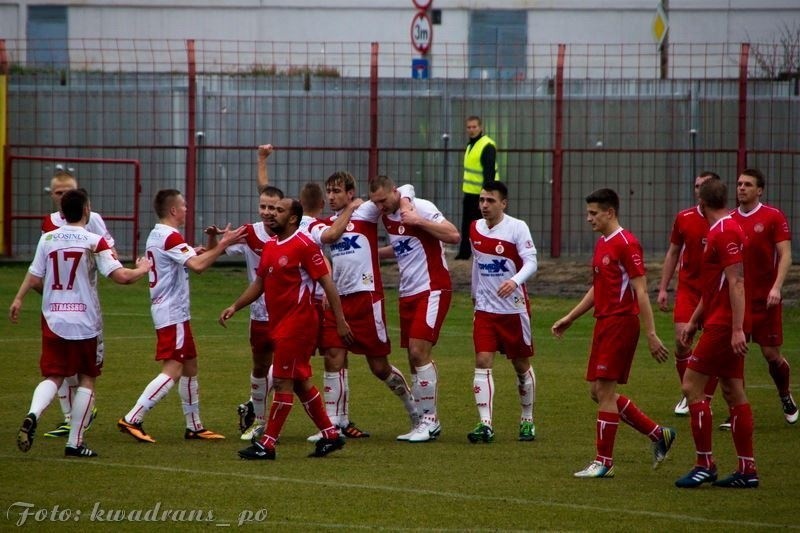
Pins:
x,y
422,4
421,32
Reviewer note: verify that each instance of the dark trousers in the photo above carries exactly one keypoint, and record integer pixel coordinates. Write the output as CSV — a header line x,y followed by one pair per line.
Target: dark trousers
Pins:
x,y
471,211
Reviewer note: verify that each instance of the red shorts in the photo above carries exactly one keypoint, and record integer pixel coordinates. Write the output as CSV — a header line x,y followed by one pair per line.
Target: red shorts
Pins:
x,y
686,301
713,355
292,357
766,324
613,347
175,343
64,357
422,315
261,342
364,312
509,334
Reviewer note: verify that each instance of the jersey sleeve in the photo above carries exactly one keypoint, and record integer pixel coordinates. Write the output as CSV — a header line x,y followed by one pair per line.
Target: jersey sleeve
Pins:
x,y
39,263
729,247
105,258
782,232
632,258
99,228
527,252
676,237
314,262
177,250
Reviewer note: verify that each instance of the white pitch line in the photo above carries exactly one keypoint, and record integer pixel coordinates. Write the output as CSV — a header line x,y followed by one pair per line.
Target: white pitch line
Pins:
x,y
421,492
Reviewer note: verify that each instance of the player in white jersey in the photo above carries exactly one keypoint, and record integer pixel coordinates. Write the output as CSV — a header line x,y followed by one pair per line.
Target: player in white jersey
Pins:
x,y
417,238
351,236
251,413
172,258
62,182
65,270
504,258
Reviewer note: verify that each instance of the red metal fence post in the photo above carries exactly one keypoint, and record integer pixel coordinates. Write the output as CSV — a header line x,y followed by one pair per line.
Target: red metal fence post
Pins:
x,y
558,157
741,149
5,206
191,144
373,112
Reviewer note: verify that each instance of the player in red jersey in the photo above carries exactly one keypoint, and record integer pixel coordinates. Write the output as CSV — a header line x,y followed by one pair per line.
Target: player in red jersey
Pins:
x,y
686,243
767,262
172,260
417,237
65,270
722,346
290,266
619,298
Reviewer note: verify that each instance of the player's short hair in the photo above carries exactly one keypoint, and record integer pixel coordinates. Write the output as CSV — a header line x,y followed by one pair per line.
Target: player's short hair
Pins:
x,y
714,194
498,186
475,118
73,202
605,198
269,190
708,174
296,209
164,200
343,178
62,177
311,197
757,174
381,182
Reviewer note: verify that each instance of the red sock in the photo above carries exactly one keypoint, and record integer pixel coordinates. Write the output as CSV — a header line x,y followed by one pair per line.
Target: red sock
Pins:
x,y
635,418
312,403
742,432
278,411
607,424
702,426
711,387
680,364
780,372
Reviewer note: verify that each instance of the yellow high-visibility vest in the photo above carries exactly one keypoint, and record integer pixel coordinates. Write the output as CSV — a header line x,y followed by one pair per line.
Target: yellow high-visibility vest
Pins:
x,y
473,170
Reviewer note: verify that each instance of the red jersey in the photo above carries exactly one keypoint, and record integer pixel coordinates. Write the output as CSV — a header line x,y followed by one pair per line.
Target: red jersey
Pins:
x,y
289,269
618,258
725,247
689,233
764,228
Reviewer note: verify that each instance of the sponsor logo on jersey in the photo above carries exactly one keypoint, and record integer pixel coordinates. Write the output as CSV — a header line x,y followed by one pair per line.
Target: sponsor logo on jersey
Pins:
x,y
528,244
758,228
67,307
367,279
402,247
732,248
66,237
317,259
185,250
345,244
637,259
495,267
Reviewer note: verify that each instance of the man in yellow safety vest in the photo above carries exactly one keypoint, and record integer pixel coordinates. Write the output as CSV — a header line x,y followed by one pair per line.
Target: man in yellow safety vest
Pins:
x,y
480,166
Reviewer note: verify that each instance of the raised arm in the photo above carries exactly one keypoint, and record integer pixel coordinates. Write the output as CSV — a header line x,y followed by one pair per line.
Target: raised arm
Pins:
x,y
200,263
335,231
264,152
442,229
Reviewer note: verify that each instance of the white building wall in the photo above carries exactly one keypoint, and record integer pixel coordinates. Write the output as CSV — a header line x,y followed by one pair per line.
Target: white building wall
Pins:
x,y
609,22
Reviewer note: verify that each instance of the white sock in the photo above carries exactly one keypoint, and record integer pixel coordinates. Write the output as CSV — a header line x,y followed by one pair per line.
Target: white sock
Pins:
x,y
190,401
334,396
152,394
43,396
65,393
483,388
258,395
526,385
82,403
344,417
399,386
426,388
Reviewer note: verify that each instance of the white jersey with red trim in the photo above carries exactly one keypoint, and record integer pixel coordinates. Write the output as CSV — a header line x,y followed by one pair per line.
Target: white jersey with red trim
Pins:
x,y
355,254
68,259
420,255
169,278
504,251
256,237
95,225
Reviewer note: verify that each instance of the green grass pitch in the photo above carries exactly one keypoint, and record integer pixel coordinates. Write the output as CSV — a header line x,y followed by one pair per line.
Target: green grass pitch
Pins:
x,y
376,483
